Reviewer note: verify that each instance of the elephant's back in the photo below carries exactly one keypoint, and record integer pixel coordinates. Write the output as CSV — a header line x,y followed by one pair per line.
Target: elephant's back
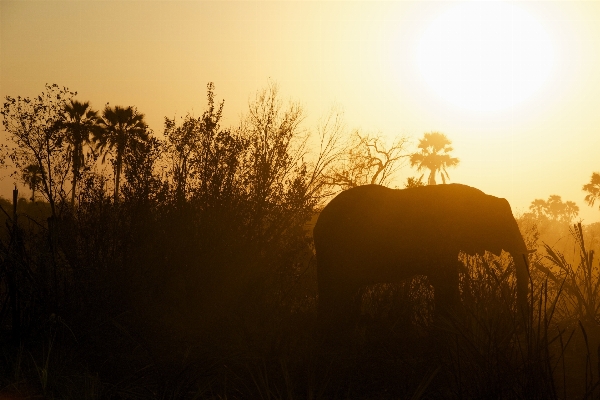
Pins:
x,y
371,199
354,205
376,210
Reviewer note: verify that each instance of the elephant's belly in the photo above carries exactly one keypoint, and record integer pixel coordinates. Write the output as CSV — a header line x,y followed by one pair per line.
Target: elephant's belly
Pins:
x,y
397,269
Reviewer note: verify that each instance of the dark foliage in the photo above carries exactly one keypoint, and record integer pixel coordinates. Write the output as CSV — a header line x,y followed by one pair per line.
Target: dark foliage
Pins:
x,y
197,279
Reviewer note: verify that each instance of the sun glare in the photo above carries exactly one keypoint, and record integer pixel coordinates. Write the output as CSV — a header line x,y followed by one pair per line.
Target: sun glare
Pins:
x,y
485,56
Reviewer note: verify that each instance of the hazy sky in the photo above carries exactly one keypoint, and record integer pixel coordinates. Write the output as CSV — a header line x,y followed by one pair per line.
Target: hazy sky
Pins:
x,y
514,85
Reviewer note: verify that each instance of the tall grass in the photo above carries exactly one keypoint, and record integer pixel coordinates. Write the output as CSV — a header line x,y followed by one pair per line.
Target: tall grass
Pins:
x,y
145,333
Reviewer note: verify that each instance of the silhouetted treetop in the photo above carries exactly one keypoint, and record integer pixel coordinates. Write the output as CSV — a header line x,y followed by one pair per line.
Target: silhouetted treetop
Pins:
x,y
79,122
32,177
121,129
33,129
434,155
202,158
593,189
554,209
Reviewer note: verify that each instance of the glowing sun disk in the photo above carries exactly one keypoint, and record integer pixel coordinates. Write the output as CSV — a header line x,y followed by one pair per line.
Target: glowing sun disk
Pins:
x,y
485,56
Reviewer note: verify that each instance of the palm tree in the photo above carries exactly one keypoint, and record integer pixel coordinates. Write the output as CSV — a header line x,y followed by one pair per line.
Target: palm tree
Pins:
x,y
32,176
79,121
121,129
434,156
593,189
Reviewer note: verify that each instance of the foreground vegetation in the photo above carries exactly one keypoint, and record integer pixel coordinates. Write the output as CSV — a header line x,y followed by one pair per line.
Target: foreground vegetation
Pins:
x,y
193,275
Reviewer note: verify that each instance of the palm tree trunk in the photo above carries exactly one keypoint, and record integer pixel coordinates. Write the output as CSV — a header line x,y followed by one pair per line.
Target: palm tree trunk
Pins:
x,y
74,188
47,182
11,270
74,180
118,164
432,177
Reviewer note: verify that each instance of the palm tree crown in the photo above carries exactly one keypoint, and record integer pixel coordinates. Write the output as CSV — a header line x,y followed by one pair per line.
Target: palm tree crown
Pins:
x,y
434,156
593,189
122,128
32,176
79,122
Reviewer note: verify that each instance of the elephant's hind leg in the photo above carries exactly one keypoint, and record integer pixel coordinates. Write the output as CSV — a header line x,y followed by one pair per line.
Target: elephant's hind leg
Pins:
x,y
337,306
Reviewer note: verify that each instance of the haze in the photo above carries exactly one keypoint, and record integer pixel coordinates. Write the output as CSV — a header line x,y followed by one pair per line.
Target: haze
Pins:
x,y
515,86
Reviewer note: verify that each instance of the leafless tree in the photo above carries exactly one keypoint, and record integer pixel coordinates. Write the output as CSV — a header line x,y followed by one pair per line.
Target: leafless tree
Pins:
x,y
330,131
367,159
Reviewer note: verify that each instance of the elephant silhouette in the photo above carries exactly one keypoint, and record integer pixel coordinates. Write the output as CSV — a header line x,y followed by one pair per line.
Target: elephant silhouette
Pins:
x,y
373,234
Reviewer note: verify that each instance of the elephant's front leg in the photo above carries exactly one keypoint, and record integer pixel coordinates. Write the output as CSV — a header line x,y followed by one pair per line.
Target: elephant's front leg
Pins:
x,y
446,291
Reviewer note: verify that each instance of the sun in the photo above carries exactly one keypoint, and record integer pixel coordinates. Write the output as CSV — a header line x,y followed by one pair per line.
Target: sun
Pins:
x,y
484,56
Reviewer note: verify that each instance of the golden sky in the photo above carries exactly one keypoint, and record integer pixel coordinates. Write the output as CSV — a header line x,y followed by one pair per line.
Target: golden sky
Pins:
x,y
514,85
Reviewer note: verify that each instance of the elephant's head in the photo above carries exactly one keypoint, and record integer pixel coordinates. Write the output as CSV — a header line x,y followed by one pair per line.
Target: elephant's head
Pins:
x,y
490,226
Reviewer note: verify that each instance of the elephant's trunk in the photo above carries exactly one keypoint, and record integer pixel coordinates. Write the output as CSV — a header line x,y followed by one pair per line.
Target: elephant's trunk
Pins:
x,y
519,254
523,278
